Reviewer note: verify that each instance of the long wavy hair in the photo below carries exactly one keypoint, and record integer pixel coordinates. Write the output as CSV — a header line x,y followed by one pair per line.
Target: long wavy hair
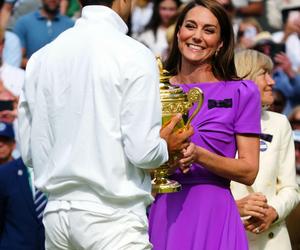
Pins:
x,y
223,66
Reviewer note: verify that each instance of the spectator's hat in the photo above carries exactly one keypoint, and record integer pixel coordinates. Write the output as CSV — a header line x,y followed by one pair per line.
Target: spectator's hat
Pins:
x,y
290,4
263,38
7,130
296,135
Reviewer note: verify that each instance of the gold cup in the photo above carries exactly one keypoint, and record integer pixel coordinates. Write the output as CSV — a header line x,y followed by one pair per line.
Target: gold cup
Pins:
x,y
174,101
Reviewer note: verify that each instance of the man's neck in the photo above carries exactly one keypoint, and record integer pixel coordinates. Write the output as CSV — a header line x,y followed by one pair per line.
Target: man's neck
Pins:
x,y
47,15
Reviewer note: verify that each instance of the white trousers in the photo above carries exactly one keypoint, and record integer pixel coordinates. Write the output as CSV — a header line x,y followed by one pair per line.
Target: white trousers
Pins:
x,y
69,228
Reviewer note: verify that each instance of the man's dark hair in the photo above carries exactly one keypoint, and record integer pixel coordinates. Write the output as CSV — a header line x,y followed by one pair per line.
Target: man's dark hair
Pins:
x,y
107,3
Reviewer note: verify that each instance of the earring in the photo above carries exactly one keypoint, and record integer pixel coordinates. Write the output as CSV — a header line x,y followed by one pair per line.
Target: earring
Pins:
x,y
216,53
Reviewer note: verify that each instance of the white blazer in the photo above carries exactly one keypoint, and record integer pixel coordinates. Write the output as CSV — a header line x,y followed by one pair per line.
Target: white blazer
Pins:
x,y
276,179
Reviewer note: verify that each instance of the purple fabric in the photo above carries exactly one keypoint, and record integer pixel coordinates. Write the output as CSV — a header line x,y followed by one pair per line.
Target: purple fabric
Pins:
x,y
203,216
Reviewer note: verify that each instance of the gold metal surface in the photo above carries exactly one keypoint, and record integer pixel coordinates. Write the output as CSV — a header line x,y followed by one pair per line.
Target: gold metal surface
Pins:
x,y
174,101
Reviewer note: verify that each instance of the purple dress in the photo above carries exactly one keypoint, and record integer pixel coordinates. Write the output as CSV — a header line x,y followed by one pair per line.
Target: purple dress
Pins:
x,y
203,216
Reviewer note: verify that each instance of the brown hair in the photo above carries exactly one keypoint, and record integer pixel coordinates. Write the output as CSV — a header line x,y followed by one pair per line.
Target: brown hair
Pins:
x,y
223,63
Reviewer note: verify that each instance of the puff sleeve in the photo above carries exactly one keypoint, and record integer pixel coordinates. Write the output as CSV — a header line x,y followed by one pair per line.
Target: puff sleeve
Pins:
x,y
248,109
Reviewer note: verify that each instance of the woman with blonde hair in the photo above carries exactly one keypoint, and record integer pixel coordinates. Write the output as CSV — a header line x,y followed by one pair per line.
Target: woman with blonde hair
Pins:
x,y
265,204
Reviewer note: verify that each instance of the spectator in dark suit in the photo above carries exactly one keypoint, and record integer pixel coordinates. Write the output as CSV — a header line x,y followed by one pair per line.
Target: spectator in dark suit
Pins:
x,y
20,227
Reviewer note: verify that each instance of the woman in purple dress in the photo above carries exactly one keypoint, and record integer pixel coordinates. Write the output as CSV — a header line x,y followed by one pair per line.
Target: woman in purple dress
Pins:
x,y
203,216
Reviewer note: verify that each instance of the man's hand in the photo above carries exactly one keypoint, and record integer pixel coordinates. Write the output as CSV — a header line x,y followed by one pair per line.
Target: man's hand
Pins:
x,y
285,64
176,140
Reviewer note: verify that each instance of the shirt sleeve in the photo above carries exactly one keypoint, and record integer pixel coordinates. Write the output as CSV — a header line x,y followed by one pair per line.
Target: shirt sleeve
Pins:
x,y
141,113
287,196
12,52
26,109
20,30
248,109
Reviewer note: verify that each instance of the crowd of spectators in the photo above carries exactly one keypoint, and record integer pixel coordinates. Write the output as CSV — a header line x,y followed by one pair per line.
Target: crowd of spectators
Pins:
x,y
28,25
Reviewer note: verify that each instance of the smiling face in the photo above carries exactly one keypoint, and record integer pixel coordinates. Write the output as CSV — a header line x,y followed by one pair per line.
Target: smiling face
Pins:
x,y
265,84
199,36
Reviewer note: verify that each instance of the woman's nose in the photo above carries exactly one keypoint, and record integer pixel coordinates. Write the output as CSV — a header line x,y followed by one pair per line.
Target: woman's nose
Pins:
x,y
270,80
197,35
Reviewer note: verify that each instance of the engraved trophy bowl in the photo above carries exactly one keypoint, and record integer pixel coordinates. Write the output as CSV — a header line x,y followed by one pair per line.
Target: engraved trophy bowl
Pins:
x,y
174,101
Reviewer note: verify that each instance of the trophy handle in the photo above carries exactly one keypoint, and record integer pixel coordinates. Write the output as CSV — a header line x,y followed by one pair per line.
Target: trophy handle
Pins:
x,y
195,95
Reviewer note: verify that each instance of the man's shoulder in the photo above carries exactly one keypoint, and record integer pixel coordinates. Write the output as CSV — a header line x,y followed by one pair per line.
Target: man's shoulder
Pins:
x,y
138,49
29,17
66,20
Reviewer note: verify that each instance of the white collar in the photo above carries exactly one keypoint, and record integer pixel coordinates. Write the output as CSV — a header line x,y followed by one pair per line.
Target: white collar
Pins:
x,y
100,13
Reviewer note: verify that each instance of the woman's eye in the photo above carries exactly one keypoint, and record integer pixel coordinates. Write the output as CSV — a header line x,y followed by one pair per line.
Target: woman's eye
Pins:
x,y
210,31
189,26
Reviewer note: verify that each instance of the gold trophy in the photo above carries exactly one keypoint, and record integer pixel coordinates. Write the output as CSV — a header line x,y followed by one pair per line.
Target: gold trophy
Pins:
x,y
173,101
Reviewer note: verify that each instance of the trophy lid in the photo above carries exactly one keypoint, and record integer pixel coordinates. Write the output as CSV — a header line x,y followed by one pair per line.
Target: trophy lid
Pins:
x,y
168,92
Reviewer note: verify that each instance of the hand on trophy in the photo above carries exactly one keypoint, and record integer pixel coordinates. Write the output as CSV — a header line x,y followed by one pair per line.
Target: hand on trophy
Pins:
x,y
183,160
177,140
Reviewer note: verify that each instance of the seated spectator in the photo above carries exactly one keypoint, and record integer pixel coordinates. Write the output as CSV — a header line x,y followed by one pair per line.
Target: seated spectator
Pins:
x,y
12,10
286,78
12,78
140,16
246,34
291,31
21,226
154,36
40,27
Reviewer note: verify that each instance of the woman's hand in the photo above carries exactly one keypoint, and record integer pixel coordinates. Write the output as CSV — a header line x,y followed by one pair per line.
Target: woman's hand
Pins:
x,y
183,159
259,225
188,157
254,205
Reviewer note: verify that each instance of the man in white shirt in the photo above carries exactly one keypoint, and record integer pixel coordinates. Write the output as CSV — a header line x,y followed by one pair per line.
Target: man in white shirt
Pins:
x,y
90,125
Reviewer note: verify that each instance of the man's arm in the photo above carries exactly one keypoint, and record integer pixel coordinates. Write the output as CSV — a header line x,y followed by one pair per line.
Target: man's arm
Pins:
x,y
141,115
26,108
